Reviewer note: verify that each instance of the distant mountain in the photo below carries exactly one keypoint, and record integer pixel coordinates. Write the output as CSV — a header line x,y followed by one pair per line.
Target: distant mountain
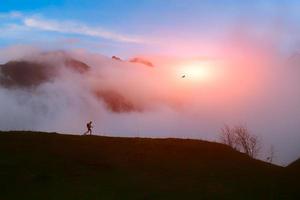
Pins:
x,y
76,65
141,61
116,58
25,74
45,67
54,166
116,102
135,60
32,73
64,58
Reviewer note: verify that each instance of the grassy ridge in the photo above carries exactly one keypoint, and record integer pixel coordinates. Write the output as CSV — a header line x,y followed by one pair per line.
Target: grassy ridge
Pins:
x,y
55,166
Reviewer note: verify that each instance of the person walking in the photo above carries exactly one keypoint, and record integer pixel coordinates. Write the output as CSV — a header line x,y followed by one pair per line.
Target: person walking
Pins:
x,y
89,128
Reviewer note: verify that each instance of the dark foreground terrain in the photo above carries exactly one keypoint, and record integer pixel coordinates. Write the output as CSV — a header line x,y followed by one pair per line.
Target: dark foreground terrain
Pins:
x,y
53,166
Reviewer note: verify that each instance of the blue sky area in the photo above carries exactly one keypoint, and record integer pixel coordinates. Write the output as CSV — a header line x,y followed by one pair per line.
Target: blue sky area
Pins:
x,y
133,26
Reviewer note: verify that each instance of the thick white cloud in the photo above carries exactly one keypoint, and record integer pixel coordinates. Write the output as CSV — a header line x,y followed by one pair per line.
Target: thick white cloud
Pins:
x,y
263,95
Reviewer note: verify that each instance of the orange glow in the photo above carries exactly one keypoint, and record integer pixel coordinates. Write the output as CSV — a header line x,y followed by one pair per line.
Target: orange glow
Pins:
x,y
197,71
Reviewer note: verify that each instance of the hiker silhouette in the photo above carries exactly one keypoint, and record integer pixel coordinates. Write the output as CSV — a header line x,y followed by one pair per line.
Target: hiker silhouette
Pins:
x,y
89,128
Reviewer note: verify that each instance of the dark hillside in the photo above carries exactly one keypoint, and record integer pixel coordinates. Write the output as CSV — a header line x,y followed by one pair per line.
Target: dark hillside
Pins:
x,y
295,165
55,166
293,174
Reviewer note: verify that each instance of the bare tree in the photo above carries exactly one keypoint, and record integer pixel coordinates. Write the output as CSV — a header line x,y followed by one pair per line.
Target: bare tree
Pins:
x,y
271,156
241,139
249,143
228,137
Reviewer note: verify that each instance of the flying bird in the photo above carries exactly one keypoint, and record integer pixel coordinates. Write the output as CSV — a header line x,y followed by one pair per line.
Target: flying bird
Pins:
x,y
183,76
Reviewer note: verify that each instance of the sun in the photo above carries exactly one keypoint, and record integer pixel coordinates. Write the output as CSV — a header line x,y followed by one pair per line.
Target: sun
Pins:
x,y
196,71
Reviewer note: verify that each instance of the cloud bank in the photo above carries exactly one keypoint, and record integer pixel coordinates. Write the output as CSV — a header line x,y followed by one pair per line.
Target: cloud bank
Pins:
x,y
133,99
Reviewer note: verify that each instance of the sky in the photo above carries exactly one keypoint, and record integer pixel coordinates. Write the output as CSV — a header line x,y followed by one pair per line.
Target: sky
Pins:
x,y
240,60
137,26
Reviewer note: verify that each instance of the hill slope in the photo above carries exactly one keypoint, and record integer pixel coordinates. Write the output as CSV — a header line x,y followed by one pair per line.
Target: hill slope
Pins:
x,y
55,166
295,165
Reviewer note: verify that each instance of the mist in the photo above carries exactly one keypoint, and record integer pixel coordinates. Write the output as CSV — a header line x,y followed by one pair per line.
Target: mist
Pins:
x,y
257,88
